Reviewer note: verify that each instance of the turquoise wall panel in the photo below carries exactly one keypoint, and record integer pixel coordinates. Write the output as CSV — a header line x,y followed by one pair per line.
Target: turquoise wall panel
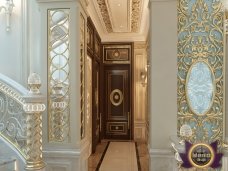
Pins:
x,y
201,69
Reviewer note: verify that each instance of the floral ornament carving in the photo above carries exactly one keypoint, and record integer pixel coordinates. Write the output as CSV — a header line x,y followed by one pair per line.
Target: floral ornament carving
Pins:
x,y
105,15
200,38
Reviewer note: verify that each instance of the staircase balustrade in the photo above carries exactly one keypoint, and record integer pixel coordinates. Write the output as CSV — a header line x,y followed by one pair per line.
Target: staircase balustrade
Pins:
x,y
21,118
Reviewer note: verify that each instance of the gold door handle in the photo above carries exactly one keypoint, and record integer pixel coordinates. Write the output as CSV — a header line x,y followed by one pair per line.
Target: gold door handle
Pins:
x,y
128,121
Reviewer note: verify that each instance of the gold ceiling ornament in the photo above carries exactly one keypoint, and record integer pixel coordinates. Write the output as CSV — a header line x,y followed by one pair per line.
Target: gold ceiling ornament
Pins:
x,y
135,15
105,15
201,38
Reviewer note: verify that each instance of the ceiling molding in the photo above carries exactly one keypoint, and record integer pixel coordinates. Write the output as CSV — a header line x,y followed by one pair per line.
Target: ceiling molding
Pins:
x,y
105,15
136,15
123,37
142,34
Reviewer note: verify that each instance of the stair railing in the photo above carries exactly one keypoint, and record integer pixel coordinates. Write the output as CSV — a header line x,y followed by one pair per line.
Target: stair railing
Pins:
x,y
21,118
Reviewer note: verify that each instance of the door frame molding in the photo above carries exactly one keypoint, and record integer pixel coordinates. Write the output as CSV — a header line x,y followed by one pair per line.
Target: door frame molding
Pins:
x,y
131,77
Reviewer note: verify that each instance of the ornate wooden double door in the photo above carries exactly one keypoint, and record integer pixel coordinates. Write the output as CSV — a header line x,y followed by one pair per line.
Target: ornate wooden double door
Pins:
x,y
117,118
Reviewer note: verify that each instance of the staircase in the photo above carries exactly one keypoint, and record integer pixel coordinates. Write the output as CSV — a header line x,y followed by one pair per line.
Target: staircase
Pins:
x,y
9,159
20,125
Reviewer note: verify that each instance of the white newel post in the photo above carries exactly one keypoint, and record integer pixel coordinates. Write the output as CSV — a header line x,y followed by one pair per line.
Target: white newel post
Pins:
x,y
34,107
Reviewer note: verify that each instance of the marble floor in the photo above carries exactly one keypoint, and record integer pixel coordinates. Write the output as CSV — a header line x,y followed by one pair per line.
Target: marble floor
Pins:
x,y
119,156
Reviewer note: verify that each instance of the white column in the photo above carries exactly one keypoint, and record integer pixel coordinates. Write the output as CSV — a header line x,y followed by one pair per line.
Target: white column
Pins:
x,y
163,83
62,155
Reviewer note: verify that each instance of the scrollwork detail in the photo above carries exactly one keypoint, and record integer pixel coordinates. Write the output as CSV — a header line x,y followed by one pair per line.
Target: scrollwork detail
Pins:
x,y
13,122
200,37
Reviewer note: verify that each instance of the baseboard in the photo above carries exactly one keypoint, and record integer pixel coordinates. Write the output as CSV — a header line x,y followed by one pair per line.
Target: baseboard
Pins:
x,y
62,160
162,160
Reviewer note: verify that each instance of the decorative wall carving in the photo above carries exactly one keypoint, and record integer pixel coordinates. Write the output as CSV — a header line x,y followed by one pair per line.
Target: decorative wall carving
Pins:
x,y
200,37
105,15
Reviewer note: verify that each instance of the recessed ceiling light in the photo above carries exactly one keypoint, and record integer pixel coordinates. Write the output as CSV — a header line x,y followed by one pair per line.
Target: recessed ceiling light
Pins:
x,y
119,4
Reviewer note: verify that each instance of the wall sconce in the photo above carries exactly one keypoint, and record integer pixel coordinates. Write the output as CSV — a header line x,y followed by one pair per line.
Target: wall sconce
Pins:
x,y
8,7
143,77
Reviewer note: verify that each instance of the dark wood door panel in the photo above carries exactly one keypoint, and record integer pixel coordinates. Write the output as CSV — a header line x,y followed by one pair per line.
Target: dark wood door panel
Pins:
x,y
117,101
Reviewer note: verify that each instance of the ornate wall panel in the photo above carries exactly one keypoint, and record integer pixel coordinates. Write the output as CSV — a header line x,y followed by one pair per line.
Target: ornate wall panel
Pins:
x,y
200,69
117,53
58,75
140,91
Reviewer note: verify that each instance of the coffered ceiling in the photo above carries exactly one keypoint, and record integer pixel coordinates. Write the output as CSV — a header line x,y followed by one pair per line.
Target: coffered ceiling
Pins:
x,y
120,20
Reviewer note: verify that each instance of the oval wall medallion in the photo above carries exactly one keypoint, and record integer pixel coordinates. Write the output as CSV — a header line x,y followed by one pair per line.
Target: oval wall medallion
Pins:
x,y
116,97
200,87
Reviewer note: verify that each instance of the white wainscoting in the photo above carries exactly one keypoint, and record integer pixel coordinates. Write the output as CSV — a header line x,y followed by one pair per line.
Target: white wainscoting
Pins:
x,y
162,160
62,160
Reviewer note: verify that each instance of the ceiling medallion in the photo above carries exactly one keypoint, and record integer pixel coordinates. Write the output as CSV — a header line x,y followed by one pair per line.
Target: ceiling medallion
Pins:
x,y
105,15
135,14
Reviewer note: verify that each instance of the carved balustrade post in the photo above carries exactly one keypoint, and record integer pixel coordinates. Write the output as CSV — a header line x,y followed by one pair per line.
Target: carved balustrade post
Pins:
x,y
34,107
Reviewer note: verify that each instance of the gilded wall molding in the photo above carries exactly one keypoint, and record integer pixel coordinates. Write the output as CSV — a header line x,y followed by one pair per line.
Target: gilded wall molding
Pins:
x,y
135,15
201,38
105,15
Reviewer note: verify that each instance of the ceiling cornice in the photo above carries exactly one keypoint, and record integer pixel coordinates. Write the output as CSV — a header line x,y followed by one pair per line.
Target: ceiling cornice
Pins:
x,y
136,15
141,35
105,15
47,1
124,37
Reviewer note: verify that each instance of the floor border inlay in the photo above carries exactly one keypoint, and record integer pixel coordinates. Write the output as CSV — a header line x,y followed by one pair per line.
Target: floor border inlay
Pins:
x,y
102,157
137,155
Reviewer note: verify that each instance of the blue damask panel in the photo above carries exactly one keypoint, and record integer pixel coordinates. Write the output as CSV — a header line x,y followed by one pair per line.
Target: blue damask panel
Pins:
x,y
200,68
200,88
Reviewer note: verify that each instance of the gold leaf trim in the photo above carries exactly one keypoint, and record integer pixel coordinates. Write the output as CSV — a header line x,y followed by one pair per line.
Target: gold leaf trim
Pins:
x,y
135,15
105,15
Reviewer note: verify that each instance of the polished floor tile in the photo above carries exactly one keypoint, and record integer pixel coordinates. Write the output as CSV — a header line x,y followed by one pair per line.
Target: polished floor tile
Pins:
x,y
120,156
95,160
